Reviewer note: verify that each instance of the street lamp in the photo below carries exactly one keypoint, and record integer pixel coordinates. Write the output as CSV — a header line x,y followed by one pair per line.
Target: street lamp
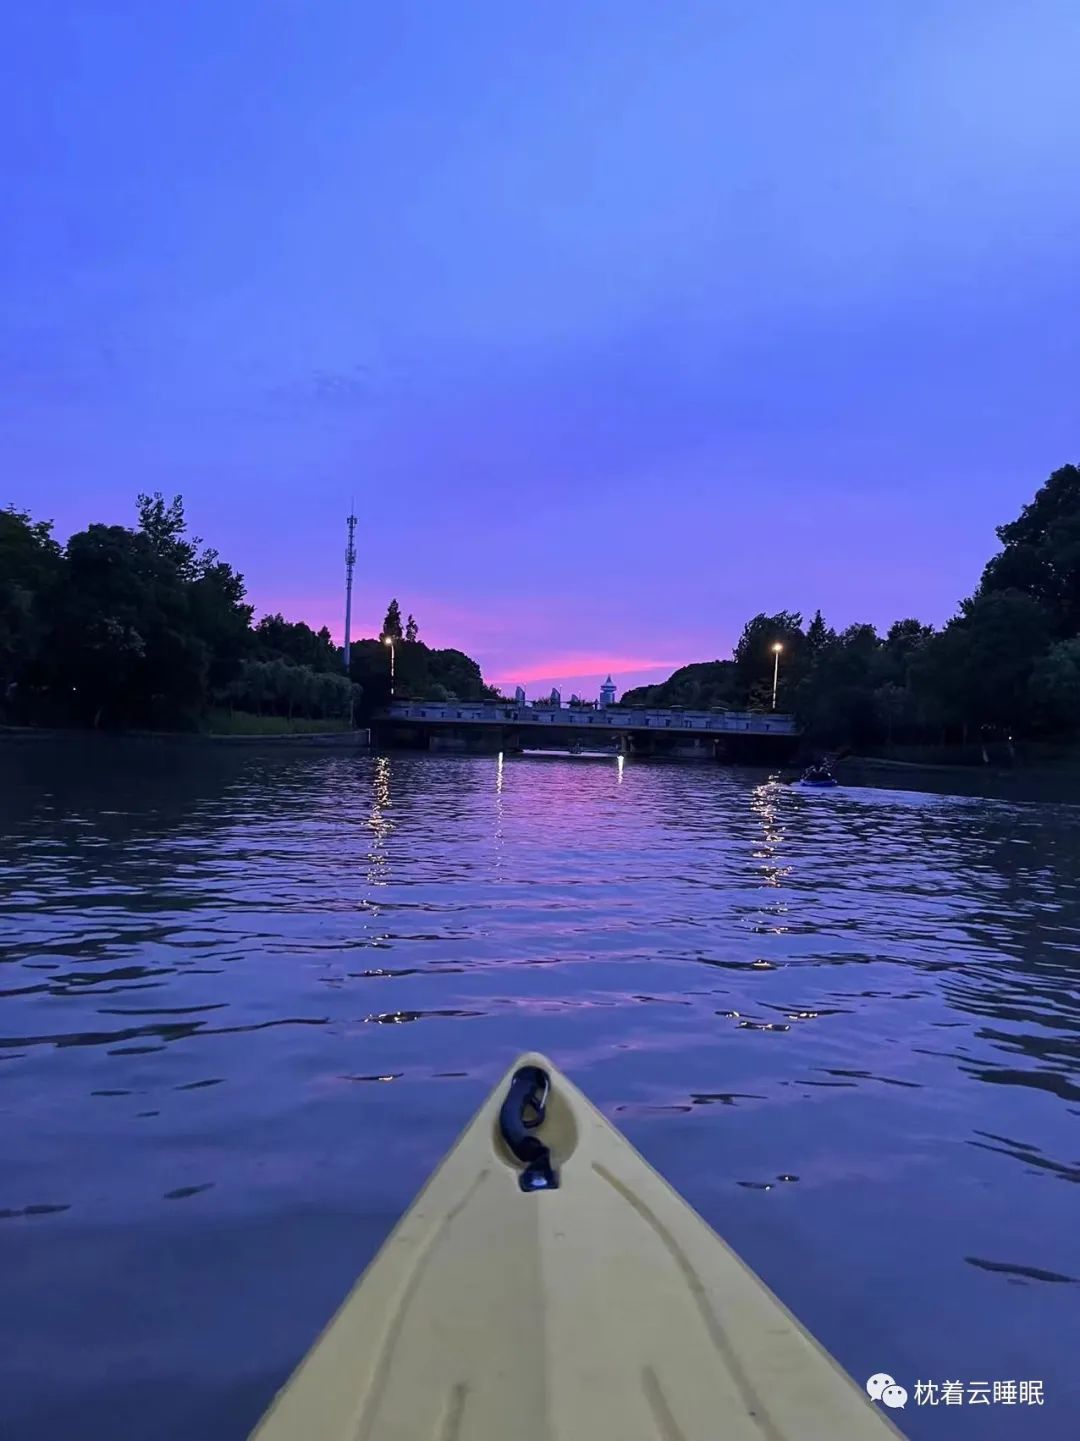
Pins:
x,y
777,648
389,640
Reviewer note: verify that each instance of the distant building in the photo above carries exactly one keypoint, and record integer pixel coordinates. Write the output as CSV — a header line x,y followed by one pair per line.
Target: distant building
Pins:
x,y
519,695
556,698
607,692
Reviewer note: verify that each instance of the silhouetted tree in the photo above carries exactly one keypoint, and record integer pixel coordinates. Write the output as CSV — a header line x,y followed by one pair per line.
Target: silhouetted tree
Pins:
x,y
700,686
296,642
391,626
819,637
977,671
30,568
165,528
143,626
1041,552
755,657
1055,687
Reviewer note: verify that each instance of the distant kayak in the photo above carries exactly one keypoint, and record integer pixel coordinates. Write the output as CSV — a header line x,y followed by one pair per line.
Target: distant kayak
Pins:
x,y
818,785
548,1285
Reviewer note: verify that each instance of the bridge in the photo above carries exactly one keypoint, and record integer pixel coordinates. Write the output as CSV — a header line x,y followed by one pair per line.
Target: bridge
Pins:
x,y
492,726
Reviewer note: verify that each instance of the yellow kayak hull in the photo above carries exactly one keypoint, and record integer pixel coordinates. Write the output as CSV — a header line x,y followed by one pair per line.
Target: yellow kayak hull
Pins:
x,y
605,1308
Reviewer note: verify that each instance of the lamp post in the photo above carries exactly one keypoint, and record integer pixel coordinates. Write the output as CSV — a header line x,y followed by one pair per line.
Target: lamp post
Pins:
x,y
777,648
389,640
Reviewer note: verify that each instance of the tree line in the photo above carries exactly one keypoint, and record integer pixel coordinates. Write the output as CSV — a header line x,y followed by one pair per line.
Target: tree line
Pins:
x,y
145,627
1006,665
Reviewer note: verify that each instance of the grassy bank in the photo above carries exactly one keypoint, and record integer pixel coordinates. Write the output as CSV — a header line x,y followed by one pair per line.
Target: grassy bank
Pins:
x,y
1053,779
245,723
997,755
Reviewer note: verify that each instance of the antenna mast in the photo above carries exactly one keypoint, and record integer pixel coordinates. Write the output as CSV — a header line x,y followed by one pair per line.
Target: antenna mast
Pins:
x,y
350,561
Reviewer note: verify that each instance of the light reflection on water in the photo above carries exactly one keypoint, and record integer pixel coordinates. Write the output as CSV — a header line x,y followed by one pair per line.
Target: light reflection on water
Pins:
x,y
249,999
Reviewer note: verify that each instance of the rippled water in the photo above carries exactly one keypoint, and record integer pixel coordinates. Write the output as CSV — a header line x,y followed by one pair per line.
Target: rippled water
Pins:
x,y
248,999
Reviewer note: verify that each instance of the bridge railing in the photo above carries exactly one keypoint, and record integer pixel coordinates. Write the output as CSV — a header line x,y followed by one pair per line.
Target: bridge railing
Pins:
x,y
611,719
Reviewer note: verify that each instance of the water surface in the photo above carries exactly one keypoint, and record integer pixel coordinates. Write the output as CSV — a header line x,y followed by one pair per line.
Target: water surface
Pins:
x,y
248,999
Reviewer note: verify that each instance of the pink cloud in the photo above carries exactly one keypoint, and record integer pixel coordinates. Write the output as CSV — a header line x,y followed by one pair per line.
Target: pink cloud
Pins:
x,y
582,665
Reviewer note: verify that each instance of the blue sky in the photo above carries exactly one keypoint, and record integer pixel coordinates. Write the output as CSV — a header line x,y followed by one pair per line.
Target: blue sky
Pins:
x,y
621,321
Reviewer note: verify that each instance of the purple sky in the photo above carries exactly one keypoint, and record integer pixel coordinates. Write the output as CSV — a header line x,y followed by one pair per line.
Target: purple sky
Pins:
x,y
621,319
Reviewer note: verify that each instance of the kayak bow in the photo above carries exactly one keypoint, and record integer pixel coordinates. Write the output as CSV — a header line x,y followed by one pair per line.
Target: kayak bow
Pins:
x,y
548,1285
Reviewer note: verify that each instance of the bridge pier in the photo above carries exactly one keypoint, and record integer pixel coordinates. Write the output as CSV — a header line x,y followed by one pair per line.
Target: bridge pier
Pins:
x,y
696,748
756,750
484,741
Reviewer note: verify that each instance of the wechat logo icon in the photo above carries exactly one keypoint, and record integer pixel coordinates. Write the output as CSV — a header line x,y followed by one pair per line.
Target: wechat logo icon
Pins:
x,y
881,1387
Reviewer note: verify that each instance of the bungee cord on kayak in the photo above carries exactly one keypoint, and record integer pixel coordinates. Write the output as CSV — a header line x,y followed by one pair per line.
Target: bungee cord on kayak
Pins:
x,y
521,1115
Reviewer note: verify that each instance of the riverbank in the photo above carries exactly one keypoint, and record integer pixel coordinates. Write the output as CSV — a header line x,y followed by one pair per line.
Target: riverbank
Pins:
x,y
1049,781
359,739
